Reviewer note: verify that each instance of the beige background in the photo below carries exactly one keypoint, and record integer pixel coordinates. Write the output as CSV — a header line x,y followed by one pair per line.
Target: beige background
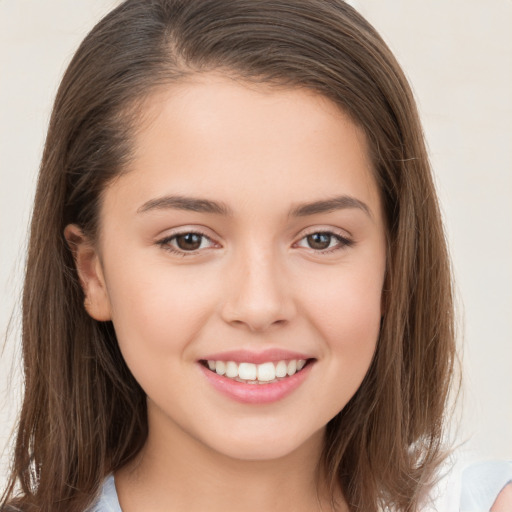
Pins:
x,y
458,56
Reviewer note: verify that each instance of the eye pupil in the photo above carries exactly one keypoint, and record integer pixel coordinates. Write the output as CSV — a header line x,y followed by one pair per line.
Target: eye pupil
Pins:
x,y
189,241
319,241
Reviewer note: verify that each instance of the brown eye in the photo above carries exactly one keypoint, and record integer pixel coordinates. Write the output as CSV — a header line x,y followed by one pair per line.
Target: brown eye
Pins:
x,y
324,242
319,241
189,241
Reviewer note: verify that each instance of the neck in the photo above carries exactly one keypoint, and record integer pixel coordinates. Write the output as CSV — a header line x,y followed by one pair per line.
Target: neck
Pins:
x,y
177,472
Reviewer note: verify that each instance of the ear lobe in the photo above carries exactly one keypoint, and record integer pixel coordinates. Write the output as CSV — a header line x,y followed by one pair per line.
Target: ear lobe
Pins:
x,y
90,273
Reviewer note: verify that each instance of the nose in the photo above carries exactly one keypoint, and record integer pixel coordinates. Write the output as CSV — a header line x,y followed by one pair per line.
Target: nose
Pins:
x,y
258,296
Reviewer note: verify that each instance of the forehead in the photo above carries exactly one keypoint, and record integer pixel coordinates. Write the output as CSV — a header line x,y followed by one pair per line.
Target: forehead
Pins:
x,y
246,142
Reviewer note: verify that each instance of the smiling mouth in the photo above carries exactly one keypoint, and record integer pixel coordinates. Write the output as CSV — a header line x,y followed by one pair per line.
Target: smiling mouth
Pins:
x,y
264,373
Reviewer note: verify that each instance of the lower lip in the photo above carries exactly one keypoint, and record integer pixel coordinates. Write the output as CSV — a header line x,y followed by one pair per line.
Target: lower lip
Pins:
x,y
256,393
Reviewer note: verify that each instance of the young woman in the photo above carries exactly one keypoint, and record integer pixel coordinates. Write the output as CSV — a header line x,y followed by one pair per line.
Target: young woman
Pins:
x,y
238,295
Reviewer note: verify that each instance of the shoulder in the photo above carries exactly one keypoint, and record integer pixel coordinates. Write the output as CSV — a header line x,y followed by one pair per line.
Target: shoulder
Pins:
x,y
107,500
483,482
473,486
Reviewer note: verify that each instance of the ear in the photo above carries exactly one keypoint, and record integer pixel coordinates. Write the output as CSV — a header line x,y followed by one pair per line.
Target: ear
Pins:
x,y
90,273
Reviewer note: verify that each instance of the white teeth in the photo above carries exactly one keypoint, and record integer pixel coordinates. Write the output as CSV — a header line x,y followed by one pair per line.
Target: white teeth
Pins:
x,y
251,373
231,369
281,369
266,372
247,371
292,367
220,367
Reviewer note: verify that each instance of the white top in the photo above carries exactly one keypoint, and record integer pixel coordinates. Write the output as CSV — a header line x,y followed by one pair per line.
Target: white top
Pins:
x,y
474,490
107,500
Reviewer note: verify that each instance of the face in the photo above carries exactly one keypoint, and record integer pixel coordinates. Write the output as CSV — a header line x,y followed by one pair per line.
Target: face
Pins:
x,y
247,237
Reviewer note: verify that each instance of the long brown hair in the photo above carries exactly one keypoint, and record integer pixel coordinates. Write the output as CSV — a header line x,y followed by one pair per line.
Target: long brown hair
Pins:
x,y
84,415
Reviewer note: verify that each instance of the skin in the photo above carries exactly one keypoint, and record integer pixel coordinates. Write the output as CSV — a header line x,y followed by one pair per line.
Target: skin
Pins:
x,y
254,283
503,502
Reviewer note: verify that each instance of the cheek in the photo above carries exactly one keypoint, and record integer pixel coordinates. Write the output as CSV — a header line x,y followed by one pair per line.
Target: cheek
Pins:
x,y
156,316
156,310
346,310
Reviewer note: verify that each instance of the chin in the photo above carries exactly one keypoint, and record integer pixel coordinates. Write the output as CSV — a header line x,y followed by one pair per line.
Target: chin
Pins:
x,y
270,447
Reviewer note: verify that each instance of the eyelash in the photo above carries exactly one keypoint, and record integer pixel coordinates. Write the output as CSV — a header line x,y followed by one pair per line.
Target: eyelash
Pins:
x,y
343,242
165,243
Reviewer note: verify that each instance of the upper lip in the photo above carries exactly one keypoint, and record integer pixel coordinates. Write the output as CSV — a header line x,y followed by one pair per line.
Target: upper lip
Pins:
x,y
248,356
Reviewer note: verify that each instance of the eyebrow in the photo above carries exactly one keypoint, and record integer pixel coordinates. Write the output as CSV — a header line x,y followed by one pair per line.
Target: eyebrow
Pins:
x,y
193,204
330,205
